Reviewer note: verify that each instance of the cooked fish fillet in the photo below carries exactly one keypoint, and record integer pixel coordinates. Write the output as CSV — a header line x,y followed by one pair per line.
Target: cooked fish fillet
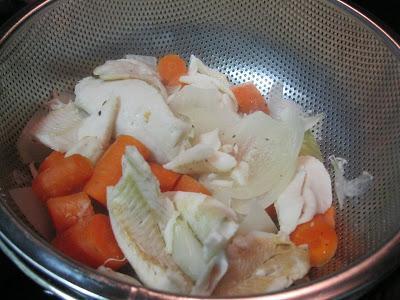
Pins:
x,y
260,262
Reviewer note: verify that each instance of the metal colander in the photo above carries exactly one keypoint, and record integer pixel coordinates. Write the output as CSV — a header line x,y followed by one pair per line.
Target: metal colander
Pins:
x,y
330,58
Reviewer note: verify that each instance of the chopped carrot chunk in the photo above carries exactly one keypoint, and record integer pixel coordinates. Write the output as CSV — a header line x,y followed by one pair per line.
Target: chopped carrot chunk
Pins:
x,y
171,67
249,98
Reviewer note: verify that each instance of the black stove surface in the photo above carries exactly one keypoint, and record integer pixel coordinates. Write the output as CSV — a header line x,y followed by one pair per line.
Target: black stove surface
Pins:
x,y
14,282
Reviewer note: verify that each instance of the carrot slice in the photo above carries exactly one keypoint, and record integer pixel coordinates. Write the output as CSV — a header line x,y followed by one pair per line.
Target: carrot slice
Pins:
x,y
249,98
320,237
66,177
91,242
166,178
189,184
68,210
170,68
108,169
54,158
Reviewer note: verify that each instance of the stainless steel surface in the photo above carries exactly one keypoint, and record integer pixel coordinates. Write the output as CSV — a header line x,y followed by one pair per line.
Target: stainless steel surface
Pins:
x,y
330,58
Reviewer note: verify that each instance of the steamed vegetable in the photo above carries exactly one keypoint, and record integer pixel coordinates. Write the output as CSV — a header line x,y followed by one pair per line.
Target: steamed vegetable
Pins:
x,y
91,241
171,67
249,98
66,211
278,107
209,189
108,170
266,144
204,157
206,109
187,183
167,179
53,159
320,237
201,76
64,178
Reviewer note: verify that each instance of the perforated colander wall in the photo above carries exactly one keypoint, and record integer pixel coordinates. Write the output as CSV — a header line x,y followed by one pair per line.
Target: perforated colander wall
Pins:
x,y
328,61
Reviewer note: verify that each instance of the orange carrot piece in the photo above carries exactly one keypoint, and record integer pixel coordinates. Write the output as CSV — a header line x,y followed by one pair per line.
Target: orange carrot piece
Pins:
x,y
64,178
188,184
91,242
320,237
166,178
329,216
249,98
170,68
108,169
66,211
54,158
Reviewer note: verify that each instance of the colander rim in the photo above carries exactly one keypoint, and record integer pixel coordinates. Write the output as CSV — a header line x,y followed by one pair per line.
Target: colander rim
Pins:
x,y
365,270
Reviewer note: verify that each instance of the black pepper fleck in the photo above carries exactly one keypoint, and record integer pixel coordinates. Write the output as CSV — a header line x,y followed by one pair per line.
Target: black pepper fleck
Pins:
x,y
233,136
99,113
104,103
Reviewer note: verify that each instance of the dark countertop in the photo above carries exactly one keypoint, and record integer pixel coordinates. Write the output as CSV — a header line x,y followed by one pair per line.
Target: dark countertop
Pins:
x,y
15,283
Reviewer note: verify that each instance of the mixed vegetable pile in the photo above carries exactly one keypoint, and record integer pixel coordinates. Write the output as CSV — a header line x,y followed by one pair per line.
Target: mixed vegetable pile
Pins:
x,y
209,189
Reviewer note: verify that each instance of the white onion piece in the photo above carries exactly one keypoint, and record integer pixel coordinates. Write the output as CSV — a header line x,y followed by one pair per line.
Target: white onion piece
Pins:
x,y
222,162
201,75
192,160
211,138
205,109
197,66
206,82
277,107
266,144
